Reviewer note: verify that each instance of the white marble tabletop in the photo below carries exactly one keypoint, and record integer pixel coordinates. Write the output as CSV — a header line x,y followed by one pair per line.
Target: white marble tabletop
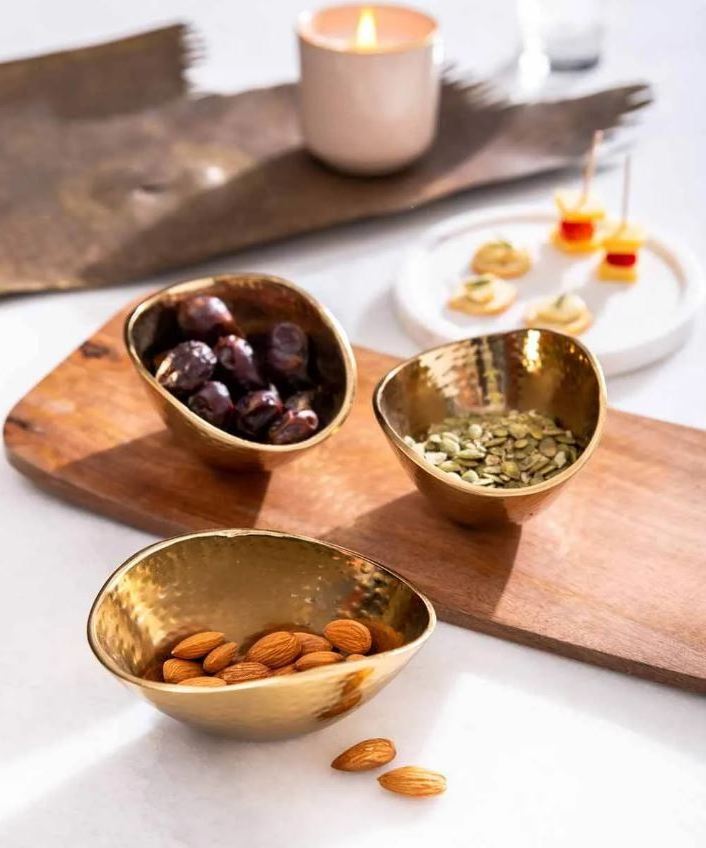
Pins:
x,y
538,750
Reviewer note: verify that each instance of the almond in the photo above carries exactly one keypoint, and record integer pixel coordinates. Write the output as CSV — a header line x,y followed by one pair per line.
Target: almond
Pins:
x,y
311,642
413,781
316,659
275,649
365,755
174,671
220,657
349,636
285,669
352,657
198,645
240,672
203,681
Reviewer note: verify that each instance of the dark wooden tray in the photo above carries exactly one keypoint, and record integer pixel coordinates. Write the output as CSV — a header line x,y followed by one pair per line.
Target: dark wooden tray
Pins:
x,y
613,573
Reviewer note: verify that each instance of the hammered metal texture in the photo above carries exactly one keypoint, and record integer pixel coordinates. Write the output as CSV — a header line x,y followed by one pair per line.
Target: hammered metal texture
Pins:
x,y
521,369
258,301
245,583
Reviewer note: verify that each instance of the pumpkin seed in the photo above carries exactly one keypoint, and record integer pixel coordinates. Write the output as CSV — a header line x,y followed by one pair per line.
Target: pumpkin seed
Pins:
x,y
470,453
548,447
499,449
512,469
560,459
448,446
449,465
435,457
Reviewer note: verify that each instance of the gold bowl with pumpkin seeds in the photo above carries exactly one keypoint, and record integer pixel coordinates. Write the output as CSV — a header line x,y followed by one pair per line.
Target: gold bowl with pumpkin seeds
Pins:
x,y
491,428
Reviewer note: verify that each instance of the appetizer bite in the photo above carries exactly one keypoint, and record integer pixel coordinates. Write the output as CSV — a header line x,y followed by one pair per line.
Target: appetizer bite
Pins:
x,y
621,254
579,212
502,258
566,313
485,294
577,230
262,388
623,243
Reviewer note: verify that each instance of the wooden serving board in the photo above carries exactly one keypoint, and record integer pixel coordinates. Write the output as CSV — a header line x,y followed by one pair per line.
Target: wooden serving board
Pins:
x,y
613,573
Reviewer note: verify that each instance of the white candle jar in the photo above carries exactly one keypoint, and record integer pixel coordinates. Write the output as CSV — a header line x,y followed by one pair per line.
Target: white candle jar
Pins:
x,y
369,89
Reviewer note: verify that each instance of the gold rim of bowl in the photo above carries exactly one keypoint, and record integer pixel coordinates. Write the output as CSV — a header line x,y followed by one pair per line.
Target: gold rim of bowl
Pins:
x,y
215,432
107,662
462,486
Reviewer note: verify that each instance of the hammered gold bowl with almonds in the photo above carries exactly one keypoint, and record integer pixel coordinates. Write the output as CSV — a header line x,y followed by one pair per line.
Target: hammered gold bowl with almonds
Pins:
x,y
523,370
257,301
246,583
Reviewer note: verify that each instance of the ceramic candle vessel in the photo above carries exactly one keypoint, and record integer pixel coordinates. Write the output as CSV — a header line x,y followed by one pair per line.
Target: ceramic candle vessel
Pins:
x,y
369,90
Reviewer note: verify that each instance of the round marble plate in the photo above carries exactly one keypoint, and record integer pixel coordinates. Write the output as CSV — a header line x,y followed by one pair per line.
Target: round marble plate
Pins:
x,y
633,324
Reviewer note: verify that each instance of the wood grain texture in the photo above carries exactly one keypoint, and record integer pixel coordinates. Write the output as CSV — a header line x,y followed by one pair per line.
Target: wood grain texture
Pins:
x,y
614,573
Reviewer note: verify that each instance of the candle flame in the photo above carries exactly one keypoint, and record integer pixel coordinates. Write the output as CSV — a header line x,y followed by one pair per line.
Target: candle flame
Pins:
x,y
366,31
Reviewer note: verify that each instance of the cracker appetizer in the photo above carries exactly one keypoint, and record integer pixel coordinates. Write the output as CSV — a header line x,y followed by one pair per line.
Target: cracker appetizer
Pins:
x,y
501,258
577,229
566,313
486,294
622,248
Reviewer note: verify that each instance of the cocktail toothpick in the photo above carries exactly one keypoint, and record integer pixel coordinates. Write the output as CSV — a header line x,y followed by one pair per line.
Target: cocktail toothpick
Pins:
x,y
590,167
626,192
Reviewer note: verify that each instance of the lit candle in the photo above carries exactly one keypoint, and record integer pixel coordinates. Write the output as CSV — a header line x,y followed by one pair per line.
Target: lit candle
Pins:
x,y
369,90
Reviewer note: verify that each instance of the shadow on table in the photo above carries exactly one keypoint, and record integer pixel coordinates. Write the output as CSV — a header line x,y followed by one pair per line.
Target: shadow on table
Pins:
x,y
153,483
178,786
469,569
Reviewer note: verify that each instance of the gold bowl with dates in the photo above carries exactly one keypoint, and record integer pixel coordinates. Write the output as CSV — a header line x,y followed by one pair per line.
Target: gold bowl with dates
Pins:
x,y
258,300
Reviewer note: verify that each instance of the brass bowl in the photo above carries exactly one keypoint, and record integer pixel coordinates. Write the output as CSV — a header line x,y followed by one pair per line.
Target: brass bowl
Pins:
x,y
244,583
521,369
258,301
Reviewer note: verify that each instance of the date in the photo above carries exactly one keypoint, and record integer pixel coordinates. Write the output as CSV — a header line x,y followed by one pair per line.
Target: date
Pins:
x,y
257,410
237,358
213,403
205,318
294,426
288,353
186,367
